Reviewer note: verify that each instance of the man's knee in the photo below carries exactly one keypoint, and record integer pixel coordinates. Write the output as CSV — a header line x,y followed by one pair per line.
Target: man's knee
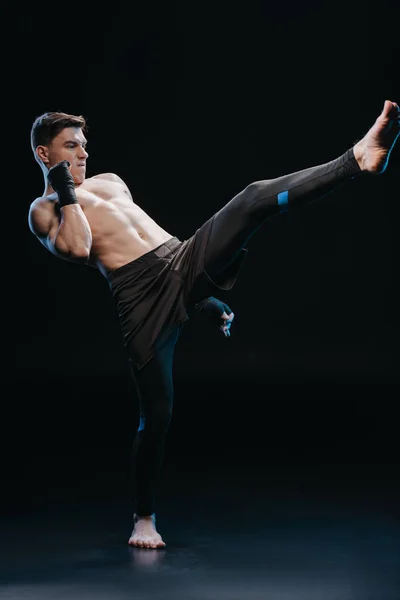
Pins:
x,y
156,420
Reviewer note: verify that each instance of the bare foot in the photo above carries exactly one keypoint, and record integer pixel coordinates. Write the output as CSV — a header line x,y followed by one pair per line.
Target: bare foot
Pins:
x,y
144,534
373,150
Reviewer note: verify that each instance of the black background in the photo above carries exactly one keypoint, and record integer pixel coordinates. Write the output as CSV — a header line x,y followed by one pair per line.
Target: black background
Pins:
x,y
188,103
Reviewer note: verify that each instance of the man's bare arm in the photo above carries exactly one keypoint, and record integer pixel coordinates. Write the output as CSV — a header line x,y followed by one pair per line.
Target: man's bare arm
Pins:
x,y
68,233
73,236
67,236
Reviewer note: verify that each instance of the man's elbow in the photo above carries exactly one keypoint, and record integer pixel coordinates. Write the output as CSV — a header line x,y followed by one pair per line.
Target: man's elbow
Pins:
x,y
81,254
77,252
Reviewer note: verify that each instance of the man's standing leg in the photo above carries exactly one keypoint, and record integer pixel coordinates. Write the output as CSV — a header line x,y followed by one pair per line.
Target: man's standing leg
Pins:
x,y
154,385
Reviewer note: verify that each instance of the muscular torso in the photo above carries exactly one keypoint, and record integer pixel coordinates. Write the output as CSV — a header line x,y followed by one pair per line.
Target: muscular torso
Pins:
x,y
121,230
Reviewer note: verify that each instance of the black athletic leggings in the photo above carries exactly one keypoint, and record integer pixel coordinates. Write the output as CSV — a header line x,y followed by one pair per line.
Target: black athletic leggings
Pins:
x,y
154,388
231,230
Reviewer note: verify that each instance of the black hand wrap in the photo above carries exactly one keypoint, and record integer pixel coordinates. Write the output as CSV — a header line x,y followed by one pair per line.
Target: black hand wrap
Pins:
x,y
213,309
62,182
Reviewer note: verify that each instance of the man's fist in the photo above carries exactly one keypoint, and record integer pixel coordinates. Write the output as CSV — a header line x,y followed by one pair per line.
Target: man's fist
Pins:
x,y
217,312
60,176
62,182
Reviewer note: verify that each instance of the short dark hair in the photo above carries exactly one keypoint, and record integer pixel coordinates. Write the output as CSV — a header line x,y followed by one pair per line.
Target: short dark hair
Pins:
x,y
48,125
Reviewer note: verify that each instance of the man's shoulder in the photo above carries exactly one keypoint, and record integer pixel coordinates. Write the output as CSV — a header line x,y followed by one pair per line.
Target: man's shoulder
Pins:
x,y
40,215
108,177
42,201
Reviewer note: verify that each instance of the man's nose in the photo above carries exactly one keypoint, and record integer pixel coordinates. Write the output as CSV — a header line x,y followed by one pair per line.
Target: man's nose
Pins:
x,y
83,153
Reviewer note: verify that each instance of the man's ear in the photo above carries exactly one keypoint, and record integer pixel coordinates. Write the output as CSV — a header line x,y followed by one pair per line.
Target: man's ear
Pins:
x,y
42,152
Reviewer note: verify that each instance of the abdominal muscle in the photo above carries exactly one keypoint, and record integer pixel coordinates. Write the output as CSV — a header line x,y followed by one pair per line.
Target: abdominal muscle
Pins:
x,y
121,230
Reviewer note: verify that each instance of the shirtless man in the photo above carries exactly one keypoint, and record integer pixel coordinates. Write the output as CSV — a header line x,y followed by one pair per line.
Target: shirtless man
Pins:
x,y
157,279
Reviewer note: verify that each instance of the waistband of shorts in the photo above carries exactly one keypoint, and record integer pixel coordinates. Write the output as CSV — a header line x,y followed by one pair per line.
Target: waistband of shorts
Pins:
x,y
168,246
146,259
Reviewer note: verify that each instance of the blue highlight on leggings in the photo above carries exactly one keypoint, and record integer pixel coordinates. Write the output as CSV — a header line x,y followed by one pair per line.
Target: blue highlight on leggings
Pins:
x,y
283,201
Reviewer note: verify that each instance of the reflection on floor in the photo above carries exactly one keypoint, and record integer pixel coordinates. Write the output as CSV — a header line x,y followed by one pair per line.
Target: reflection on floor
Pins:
x,y
234,531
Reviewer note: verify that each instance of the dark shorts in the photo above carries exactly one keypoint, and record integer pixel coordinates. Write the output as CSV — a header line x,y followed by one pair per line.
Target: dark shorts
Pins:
x,y
154,292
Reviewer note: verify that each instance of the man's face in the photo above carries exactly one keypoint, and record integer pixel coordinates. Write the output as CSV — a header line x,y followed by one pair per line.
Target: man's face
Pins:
x,y
69,145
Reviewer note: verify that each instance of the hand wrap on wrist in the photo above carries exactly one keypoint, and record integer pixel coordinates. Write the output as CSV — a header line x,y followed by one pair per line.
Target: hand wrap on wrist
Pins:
x,y
62,182
213,309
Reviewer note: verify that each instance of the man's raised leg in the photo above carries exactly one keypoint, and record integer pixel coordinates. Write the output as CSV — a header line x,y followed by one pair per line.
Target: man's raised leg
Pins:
x,y
240,218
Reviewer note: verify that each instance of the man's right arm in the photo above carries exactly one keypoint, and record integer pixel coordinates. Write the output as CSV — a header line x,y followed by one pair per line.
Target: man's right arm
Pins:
x,y
66,236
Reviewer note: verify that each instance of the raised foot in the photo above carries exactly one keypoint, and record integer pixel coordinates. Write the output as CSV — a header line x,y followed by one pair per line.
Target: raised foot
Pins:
x,y
144,534
373,150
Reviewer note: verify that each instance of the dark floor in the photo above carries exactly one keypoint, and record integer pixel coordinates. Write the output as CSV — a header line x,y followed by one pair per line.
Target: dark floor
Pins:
x,y
244,518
